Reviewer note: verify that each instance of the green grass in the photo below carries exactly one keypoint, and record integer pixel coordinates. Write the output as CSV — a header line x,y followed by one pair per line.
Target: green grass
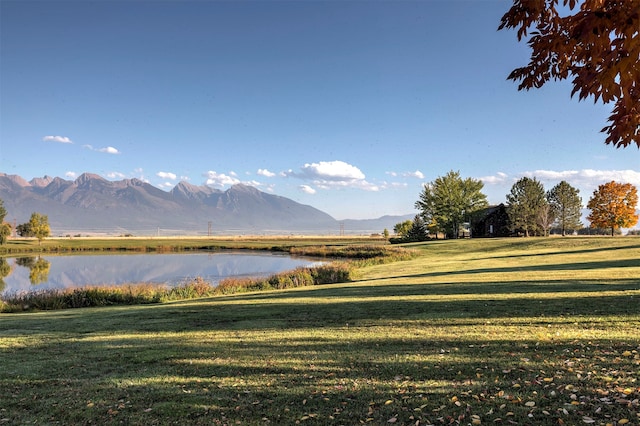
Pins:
x,y
505,331
172,244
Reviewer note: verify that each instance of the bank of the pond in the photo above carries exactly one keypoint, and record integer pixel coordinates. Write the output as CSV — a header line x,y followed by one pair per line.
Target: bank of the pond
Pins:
x,y
20,246
336,271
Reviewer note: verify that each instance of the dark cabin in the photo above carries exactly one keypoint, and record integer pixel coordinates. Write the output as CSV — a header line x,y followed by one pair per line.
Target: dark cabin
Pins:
x,y
492,221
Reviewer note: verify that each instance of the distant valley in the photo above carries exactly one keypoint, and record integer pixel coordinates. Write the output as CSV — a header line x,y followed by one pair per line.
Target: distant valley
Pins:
x,y
91,204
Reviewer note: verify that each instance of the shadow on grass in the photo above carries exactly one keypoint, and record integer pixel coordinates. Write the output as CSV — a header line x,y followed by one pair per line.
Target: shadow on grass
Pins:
x,y
281,381
347,365
566,252
455,288
329,306
564,266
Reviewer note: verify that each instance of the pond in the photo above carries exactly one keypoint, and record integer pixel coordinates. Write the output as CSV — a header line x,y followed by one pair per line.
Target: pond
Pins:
x,y
25,274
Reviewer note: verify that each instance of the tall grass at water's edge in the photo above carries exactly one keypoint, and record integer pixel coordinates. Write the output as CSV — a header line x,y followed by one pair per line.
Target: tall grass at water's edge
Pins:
x,y
136,294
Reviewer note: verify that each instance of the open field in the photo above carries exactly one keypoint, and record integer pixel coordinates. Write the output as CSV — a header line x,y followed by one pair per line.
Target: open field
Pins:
x,y
504,331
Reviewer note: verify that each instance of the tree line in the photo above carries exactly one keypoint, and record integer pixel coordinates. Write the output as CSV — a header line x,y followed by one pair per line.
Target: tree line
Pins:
x,y
450,204
37,226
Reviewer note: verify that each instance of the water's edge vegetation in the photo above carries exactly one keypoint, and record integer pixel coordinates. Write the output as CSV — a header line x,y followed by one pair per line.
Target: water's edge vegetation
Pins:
x,y
342,264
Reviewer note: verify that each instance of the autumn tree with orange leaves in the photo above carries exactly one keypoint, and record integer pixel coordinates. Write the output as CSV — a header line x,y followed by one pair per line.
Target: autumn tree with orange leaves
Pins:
x,y
613,205
596,42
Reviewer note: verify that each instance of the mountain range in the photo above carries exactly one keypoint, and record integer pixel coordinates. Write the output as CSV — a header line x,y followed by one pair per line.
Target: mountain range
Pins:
x,y
94,205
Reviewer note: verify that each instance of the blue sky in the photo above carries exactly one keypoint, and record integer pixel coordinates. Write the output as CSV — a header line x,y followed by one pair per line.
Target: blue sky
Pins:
x,y
346,106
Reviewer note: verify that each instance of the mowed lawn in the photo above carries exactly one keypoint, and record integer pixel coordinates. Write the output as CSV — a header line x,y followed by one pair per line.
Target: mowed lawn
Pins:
x,y
539,331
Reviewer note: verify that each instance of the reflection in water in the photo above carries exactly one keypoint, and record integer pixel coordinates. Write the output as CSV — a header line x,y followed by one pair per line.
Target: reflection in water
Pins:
x,y
58,272
5,270
39,273
38,268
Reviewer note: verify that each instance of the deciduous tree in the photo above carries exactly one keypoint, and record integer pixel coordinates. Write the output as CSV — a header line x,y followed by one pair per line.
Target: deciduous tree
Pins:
x,y
566,205
38,226
595,42
613,205
545,219
524,204
401,229
24,230
5,228
449,201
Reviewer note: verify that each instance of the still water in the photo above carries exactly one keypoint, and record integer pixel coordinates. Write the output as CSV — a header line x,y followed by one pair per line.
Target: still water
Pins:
x,y
25,274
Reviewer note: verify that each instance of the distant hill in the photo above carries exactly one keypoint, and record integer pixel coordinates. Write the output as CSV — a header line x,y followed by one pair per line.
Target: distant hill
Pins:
x,y
92,204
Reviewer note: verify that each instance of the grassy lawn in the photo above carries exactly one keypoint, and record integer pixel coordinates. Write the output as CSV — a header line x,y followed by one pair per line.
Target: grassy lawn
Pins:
x,y
504,331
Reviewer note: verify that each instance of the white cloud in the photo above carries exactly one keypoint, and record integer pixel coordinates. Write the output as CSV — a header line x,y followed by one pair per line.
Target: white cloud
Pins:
x,y
365,186
115,175
331,170
59,139
333,174
396,185
265,173
167,185
269,188
417,174
307,189
586,177
498,179
220,179
167,175
71,175
109,150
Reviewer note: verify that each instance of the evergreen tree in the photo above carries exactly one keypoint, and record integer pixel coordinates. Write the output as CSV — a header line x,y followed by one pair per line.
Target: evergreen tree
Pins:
x,y
418,230
566,205
524,205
